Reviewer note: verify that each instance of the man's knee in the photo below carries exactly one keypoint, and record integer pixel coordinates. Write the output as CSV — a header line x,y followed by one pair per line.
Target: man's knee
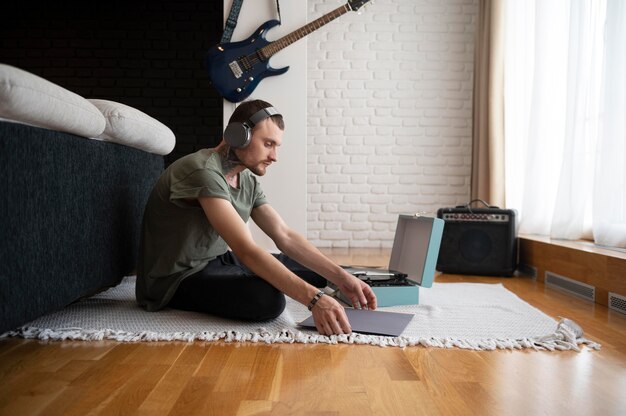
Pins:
x,y
266,306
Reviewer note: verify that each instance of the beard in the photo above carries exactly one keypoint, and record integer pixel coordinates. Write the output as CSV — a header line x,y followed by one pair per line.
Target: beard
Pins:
x,y
259,169
232,160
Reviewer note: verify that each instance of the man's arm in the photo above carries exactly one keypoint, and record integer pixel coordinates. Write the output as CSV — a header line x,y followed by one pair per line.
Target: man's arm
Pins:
x,y
299,249
329,316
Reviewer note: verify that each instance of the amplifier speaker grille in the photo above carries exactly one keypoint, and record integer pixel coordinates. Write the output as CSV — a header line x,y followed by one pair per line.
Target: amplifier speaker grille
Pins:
x,y
478,241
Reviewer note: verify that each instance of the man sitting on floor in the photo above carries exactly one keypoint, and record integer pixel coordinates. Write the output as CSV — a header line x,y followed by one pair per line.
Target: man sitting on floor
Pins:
x,y
199,208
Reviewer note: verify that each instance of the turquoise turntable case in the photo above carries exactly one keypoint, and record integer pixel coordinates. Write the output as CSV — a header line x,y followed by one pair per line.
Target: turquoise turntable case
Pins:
x,y
411,265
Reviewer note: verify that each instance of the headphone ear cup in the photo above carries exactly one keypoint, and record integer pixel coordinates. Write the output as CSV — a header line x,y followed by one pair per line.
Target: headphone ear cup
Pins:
x,y
237,135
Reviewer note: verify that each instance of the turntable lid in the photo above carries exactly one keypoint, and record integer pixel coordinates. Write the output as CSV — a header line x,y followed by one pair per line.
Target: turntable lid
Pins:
x,y
416,248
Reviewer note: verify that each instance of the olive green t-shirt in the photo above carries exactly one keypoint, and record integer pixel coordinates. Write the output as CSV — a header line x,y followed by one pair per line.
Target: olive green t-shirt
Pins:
x,y
177,239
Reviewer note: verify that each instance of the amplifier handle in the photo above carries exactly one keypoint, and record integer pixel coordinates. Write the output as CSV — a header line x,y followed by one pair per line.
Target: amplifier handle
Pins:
x,y
476,200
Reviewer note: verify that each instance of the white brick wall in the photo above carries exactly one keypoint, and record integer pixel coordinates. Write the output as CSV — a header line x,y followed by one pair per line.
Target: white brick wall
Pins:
x,y
389,116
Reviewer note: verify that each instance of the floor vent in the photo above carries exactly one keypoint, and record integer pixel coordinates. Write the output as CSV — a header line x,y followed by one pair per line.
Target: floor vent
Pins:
x,y
571,286
617,302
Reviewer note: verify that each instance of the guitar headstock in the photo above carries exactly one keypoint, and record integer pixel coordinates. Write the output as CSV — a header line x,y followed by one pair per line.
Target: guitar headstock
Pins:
x,y
356,4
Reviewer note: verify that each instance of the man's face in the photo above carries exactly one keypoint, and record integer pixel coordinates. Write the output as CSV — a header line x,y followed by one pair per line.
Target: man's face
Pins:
x,y
262,150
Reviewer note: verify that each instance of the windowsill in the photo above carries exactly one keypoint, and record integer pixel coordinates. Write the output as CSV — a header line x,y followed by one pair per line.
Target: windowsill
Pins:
x,y
583,261
582,245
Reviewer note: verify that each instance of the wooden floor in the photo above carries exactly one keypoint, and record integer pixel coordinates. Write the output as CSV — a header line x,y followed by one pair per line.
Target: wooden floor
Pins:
x,y
109,378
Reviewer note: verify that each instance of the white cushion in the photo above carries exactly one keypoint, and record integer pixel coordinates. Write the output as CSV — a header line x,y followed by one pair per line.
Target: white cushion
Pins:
x,y
131,127
29,99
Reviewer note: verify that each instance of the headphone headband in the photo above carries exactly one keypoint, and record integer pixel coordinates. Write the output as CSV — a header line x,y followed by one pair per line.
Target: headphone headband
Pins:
x,y
261,115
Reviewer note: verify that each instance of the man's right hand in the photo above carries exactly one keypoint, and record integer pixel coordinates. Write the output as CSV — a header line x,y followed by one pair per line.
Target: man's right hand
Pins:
x,y
330,317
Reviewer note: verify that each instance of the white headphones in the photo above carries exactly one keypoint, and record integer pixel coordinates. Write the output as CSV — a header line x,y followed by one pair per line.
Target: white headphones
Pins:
x,y
238,135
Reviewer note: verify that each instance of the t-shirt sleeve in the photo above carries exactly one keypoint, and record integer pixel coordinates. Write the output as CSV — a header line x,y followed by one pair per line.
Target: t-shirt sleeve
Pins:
x,y
202,182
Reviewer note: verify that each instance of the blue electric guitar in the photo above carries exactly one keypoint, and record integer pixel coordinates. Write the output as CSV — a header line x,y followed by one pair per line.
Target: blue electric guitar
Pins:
x,y
237,68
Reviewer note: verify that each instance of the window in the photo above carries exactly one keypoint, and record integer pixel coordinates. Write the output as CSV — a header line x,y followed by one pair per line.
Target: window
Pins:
x,y
564,99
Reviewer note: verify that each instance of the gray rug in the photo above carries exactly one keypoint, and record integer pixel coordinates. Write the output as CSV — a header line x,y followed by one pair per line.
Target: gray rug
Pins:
x,y
450,315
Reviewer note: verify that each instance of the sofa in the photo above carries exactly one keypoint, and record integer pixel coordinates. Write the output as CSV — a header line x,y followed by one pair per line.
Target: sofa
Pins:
x,y
76,174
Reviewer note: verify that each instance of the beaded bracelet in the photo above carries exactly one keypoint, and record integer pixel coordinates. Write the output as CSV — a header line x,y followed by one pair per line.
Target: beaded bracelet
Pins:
x,y
317,297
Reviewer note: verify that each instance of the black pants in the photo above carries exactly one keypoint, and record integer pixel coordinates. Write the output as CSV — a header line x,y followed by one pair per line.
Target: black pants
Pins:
x,y
227,288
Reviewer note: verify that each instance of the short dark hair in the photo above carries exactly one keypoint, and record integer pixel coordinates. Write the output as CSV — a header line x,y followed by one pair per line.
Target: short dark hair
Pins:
x,y
247,109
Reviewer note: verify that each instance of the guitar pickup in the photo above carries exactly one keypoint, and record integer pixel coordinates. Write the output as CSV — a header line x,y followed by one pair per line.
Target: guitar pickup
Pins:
x,y
236,69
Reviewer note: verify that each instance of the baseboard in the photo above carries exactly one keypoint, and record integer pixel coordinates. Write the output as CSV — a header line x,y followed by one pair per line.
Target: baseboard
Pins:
x,y
600,268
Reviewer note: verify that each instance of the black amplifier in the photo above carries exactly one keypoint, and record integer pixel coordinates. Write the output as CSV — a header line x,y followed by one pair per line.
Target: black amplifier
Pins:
x,y
478,241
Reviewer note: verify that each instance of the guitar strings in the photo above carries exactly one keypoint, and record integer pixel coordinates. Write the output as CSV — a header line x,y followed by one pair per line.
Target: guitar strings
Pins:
x,y
250,60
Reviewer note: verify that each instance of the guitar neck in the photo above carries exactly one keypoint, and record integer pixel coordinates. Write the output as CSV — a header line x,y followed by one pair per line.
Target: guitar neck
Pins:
x,y
298,34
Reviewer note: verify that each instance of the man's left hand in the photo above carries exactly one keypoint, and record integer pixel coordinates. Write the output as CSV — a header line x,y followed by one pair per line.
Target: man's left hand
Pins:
x,y
360,293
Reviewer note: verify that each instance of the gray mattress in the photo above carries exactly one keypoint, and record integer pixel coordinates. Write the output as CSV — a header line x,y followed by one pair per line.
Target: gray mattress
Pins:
x,y
70,217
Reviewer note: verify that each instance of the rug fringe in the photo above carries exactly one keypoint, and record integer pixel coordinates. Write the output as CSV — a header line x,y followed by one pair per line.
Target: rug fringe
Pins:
x,y
567,336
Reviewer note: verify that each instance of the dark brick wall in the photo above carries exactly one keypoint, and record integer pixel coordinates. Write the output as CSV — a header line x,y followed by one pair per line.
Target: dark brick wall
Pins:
x,y
146,54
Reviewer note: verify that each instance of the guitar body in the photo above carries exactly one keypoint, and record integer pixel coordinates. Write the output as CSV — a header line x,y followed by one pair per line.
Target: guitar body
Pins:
x,y
236,68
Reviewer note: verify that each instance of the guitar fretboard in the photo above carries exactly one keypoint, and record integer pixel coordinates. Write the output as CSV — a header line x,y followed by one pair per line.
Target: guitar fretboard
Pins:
x,y
287,40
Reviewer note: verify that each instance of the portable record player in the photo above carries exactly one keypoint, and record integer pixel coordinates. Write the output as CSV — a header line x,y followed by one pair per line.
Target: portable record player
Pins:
x,y
411,265
390,288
